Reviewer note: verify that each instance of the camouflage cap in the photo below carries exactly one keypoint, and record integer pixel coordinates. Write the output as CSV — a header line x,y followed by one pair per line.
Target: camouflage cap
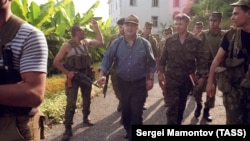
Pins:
x,y
132,19
148,24
182,16
215,16
242,3
199,24
168,29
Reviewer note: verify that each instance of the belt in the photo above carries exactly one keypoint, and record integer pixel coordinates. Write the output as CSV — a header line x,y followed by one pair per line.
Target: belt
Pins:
x,y
9,111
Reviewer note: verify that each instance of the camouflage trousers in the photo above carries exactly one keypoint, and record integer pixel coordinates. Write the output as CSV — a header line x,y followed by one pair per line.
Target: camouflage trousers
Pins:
x,y
177,90
72,94
237,106
20,128
198,91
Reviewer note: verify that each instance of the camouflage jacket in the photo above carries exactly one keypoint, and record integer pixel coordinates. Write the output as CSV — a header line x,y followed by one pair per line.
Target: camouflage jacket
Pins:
x,y
211,42
183,59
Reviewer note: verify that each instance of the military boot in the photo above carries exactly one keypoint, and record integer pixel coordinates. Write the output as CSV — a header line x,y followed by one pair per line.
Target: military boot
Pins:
x,y
68,133
206,115
197,112
87,121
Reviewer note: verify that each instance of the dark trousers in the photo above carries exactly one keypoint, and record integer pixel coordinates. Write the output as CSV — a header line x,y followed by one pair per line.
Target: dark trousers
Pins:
x,y
113,77
72,94
133,97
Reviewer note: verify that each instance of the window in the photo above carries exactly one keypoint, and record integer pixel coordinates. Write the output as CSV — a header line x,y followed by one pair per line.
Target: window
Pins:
x,y
132,2
155,3
176,3
155,21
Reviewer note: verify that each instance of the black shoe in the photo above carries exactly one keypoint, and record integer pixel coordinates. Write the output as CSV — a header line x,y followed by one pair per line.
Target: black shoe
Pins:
x,y
206,115
197,112
67,134
88,122
208,118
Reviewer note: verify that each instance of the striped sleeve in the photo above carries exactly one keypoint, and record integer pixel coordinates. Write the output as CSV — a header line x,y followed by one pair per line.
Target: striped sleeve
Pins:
x,y
34,53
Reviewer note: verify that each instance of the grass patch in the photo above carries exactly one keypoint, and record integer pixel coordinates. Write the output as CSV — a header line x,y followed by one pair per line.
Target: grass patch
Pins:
x,y
54,102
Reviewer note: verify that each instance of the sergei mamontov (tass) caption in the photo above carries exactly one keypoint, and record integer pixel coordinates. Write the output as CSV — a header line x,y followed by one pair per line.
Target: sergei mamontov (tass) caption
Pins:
x,y
191,133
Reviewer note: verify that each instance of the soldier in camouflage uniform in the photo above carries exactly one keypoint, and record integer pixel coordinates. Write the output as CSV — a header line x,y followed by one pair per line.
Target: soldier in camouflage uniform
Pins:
x,y
180,54
234,54
77,59
146,33
211,41
168,31
198,27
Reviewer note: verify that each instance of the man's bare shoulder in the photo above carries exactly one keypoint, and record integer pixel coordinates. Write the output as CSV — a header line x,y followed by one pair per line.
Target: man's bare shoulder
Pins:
x,y
65,48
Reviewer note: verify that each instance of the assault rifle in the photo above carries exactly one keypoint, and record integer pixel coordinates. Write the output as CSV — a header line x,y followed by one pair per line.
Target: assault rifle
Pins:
x,y
111,67
105,88
81,78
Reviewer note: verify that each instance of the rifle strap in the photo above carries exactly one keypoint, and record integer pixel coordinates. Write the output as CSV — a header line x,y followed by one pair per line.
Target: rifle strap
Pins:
x,y
9,30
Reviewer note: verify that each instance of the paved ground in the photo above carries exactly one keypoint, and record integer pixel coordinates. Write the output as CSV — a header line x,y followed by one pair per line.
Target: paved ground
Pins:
x,y
107,121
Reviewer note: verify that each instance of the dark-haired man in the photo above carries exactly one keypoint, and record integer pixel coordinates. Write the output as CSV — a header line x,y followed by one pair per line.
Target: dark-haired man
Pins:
x,y
211,39
146,33
77,59
233,56
198,27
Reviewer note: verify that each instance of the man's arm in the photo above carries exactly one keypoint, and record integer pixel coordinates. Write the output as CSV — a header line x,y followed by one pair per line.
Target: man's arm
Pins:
x,y
99,38
63,51
28,93
210,89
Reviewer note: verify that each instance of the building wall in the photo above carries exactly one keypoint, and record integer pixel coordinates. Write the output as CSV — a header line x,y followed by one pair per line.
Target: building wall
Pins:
x,y
184,6
144,10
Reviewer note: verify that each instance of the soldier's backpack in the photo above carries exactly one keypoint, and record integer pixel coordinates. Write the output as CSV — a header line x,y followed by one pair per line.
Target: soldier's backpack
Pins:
x,y
233,67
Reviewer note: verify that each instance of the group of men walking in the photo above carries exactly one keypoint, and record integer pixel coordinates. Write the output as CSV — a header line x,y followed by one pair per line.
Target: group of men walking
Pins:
x,y
214,58
133,59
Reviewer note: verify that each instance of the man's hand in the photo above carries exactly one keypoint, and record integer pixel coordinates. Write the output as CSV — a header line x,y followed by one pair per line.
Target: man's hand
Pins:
x,y
210,89
94,23
161,79
70,76
149,84
101,81
200,82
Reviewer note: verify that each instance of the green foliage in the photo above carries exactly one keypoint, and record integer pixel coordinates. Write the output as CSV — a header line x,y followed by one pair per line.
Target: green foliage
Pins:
x,y
202,8
55,18
54,108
